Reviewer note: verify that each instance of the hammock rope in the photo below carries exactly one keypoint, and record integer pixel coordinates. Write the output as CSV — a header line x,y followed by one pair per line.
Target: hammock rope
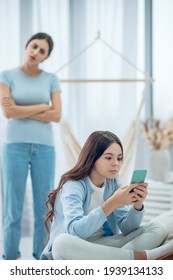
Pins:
x,y
146,79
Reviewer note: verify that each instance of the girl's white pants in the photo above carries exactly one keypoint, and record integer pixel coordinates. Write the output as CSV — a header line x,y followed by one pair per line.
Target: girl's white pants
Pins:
x,y
116,247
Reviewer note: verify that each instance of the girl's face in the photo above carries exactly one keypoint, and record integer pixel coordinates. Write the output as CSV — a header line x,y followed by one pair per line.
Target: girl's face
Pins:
x,y
37,51
109,164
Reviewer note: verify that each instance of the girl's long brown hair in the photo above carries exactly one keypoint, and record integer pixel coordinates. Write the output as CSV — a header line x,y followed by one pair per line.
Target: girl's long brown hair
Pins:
x,y
93,148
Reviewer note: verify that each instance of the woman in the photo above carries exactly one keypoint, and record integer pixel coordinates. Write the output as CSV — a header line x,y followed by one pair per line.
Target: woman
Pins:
x,y
89,209
30,100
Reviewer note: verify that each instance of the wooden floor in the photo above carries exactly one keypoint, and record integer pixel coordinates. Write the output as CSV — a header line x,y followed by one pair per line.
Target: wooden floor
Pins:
x,y
167,257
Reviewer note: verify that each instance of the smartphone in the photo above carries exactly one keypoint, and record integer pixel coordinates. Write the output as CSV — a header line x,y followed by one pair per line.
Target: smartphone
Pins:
x,y
138,176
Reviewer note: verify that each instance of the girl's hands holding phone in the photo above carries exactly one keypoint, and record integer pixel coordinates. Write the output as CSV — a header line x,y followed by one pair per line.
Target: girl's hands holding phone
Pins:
x,y
123,196
140,193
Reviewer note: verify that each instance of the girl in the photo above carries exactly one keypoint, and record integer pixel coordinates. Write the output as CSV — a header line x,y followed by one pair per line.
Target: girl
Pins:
x,y
89,209
30,100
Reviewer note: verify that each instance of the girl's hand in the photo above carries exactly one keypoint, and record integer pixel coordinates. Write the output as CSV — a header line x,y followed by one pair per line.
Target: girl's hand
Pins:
x,y
123,196
140,193
120,197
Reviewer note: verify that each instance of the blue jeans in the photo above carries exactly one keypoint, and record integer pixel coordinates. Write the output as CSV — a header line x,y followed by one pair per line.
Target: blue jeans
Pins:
x,y
18,159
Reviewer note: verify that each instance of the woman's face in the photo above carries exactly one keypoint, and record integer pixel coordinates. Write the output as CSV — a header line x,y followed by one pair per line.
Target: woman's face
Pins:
x,y
109,164
37,51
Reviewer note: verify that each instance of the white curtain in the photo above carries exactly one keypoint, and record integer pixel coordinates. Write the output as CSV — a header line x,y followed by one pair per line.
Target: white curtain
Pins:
x,y
53,17
107,106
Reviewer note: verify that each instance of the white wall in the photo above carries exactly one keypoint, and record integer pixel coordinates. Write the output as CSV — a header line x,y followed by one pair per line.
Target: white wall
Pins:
x,y
163,58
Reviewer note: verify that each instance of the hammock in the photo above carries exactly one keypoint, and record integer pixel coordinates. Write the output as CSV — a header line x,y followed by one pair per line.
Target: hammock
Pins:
x,y
71,145
146,78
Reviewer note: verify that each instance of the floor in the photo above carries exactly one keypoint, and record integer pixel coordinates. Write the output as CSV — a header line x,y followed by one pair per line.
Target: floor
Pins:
x,y
25,248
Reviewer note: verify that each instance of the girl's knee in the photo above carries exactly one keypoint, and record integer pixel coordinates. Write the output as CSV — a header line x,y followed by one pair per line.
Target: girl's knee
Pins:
x,y
62,245
156,228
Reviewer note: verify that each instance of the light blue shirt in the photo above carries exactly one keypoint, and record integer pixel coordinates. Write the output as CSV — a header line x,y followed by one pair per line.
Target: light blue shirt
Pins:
x,y
72,215
26,90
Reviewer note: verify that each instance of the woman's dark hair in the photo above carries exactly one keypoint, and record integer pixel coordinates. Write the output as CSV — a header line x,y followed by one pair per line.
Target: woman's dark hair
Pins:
x,y
92,150
42,36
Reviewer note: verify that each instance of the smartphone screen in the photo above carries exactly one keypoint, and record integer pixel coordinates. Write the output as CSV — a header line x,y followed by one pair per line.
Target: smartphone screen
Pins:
x,y
138,176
